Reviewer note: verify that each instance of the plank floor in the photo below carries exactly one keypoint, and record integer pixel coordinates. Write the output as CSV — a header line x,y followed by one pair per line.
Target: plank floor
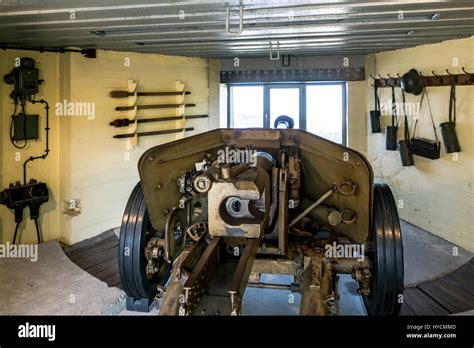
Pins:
x,y
453,293
98,256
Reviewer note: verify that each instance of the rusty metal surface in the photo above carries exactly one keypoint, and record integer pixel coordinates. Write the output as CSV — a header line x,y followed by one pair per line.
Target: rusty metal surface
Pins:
x,y
317,287
323,163
182,269
274,266
241,275
282,210
201,275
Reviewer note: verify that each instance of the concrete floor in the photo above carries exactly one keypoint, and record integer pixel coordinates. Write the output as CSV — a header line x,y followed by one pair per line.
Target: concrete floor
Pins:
x,y
53,285
427,256
280,302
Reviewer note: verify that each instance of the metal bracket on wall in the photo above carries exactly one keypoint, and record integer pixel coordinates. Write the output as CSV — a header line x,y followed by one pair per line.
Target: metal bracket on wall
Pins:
x,y
241,22
285,60
132,142
180,87
277,57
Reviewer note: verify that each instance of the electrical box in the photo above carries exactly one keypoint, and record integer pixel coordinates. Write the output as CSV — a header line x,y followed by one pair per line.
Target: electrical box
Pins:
x,y
19,127
20,196
27,79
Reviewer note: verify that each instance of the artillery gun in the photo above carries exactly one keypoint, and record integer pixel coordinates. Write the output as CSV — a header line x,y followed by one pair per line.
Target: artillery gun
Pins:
x,y
214,211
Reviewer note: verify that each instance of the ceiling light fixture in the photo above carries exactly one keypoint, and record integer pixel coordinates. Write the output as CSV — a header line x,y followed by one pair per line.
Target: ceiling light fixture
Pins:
x,y
435,16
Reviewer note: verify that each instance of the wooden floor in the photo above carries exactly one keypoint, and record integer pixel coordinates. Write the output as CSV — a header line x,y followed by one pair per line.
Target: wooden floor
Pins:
x,y
450,294
98,256
453,293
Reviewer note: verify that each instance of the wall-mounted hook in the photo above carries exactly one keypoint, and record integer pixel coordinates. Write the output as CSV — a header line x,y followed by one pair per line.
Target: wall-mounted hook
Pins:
x,y
373,78
392,80
437,78
464,71
382,81
468,74
277,57
450,73
453,77
241,21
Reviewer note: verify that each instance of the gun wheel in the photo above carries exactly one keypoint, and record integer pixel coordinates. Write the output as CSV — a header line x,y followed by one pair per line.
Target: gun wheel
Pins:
x,y
387,256
135,232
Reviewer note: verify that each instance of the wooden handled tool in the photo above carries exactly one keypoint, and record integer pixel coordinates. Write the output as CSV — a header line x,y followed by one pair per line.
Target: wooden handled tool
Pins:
x,y
142,134
126,94
152,106
124,122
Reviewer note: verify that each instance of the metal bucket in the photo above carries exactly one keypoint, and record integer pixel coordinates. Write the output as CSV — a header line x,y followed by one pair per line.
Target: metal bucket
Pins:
x,y
391,141
375,121
450,138
405,153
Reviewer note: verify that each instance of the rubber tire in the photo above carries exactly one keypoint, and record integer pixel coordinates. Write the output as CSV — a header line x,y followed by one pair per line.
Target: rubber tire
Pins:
x,y
287,120
133,239
387,260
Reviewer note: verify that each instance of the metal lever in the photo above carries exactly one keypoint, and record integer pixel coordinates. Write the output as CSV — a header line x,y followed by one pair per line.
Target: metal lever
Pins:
x,y
314,205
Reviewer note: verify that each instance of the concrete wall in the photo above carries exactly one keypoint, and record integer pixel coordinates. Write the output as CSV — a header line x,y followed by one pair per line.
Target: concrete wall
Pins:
x,y
86,163
356,116
437,195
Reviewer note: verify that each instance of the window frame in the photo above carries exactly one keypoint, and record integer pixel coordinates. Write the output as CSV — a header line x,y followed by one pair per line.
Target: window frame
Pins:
x,y
302,94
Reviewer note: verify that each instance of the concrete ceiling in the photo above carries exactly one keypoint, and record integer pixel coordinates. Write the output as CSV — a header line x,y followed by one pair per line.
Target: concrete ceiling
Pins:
x,y
198,28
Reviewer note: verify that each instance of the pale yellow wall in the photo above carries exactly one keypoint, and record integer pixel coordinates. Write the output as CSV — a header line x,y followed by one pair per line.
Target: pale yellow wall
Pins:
x,y
356,120
437,195
214,79
103,172
86,163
